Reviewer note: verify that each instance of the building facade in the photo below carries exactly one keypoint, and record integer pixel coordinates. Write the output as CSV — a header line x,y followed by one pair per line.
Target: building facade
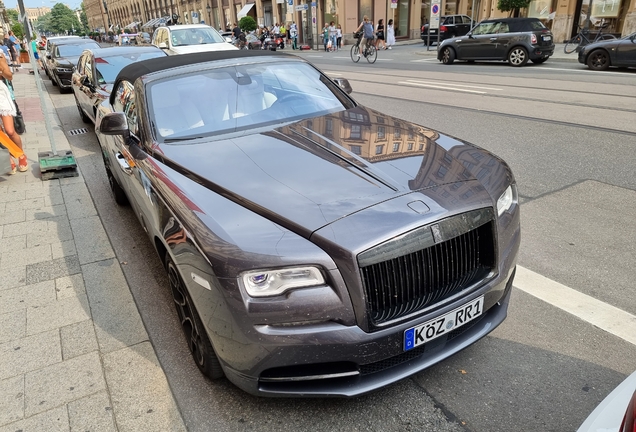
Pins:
x,y
562,16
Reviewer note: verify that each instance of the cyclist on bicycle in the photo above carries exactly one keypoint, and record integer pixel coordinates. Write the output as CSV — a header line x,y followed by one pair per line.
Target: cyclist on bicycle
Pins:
x,y
367,34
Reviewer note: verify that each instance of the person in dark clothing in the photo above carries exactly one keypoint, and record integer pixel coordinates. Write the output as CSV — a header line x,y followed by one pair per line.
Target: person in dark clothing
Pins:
x,y
236,31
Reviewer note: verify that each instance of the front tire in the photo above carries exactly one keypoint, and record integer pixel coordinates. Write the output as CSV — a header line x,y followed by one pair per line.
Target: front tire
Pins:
x,y
448,56
83,116
118,193
598,60
518,56
198,341
355,53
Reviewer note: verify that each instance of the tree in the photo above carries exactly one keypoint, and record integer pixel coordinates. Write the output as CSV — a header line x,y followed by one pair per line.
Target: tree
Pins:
x,y
43,23
247,24
84,19
18,30
512,6
63,20
13,16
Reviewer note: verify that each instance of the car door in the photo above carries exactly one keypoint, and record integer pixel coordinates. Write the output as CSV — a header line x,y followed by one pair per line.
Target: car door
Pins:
x,y
88,86
462,25
626,52
503,39
77,80
480,44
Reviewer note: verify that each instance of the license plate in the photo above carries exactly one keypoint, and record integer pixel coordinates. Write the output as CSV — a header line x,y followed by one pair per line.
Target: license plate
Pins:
x,y
420,334
547,38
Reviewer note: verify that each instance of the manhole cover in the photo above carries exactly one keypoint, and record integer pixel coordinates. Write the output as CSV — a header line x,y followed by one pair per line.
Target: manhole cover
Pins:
x,y
77,131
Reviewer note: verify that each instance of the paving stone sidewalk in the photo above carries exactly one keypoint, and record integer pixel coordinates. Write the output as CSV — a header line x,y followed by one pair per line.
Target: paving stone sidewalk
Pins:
x,y
74,353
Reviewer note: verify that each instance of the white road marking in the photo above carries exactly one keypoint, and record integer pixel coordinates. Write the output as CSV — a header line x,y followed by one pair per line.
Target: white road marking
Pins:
x,y
602,315
452,84
547,68
432,59
441,87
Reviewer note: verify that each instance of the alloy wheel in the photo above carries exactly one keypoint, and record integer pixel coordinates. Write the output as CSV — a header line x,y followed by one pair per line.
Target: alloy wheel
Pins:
x,y
518,57
598,60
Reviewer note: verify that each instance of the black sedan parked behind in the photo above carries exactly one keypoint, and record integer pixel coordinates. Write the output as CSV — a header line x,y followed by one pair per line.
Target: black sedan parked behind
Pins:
x,y
96,71
306,256
62,60
449,26
515,40
614,52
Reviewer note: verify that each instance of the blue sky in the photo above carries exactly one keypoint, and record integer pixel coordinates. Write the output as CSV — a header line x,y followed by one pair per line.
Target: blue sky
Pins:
x,y
11,4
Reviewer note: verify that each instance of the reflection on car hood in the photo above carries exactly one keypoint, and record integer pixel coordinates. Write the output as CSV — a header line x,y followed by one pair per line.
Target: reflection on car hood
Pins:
x,y
67,61
308,174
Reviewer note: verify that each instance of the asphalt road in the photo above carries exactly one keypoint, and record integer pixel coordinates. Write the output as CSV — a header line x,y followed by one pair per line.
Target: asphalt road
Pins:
x,y
569,136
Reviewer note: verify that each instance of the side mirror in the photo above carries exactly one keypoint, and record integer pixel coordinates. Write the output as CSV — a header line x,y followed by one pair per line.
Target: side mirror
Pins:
x,y
343,84
114,124
163,45
633,38
470,35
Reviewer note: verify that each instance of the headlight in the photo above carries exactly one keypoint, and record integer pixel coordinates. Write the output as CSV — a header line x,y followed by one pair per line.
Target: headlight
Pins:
x,y
507,199
265,283
64,70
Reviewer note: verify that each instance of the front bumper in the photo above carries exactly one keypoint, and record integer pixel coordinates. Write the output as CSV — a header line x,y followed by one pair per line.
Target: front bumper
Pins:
x,y
333,360
64,79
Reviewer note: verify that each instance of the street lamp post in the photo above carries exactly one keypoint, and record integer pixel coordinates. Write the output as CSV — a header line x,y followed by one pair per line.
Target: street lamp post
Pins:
x,y
209,9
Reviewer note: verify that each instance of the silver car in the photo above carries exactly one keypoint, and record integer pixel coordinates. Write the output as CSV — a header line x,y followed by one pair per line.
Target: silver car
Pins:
x,y
314,247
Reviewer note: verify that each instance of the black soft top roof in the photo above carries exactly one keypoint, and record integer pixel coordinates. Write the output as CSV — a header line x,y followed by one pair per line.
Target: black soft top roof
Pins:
x,y
517,24
133,71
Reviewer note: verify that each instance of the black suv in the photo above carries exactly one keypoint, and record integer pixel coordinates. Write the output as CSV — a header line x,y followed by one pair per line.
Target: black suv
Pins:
x,y
449,26
516,40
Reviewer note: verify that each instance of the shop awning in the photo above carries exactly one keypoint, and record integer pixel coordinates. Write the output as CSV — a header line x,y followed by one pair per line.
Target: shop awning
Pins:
x,y
156,21
132,25
245,10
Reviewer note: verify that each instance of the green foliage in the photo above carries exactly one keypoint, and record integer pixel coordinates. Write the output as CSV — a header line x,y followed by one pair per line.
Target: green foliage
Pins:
x,y
18,30
84,19
512,6
13,16
63,20
247,24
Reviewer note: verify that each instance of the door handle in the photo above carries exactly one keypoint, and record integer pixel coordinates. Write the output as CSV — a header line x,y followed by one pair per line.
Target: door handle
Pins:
x,y
493,39
123,164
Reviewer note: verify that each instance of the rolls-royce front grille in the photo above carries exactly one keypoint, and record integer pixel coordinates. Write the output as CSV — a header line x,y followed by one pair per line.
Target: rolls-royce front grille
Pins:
x,y
458,253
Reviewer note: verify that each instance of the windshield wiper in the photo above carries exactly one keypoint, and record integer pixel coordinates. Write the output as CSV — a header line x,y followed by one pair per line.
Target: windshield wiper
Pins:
x,y
169,140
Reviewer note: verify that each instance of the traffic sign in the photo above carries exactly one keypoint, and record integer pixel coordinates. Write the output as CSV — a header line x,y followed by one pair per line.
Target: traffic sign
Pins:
x,y
435,9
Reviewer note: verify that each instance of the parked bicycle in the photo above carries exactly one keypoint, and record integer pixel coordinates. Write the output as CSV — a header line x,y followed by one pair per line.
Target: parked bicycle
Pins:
x,y
370,52
582,39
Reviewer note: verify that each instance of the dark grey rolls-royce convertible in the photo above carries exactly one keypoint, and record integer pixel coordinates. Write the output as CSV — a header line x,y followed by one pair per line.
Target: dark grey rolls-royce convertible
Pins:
x,y
314,247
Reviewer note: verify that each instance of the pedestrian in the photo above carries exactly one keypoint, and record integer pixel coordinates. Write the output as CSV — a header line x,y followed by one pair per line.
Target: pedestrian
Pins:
x,y
381,44
325,37
283,32
7,111
34,51
390,34
236,31
333,36
367,34
293,32
12,50
339,37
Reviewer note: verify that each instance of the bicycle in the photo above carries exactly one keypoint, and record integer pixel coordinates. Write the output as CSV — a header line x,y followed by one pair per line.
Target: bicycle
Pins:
x,y
370,51
581,39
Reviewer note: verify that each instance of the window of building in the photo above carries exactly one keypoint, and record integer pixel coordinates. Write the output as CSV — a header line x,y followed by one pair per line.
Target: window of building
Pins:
x,y
381,135
441,172
396,146
410,147
355,132
356,149
329,127
397,134
379,149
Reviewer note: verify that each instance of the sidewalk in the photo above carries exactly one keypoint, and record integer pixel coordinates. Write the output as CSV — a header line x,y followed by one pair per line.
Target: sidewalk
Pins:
x,y
74,353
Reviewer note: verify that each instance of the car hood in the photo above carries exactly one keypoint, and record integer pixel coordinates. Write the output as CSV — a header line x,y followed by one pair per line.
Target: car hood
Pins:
x,y
67,61
187,49
305,175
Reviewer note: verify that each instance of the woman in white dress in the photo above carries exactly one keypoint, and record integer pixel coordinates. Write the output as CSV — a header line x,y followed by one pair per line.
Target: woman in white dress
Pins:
x,y
390,34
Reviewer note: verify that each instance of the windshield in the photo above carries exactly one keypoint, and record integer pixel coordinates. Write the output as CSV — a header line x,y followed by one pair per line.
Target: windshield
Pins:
x,y
238,98
74,50
195,36
109,67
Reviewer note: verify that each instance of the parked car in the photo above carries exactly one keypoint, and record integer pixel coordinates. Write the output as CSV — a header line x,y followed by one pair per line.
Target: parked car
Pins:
x,y
617,412
96,71
304,256
142,38
449,26
228,35
62,61
49,43
614,52
193,38
515,40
